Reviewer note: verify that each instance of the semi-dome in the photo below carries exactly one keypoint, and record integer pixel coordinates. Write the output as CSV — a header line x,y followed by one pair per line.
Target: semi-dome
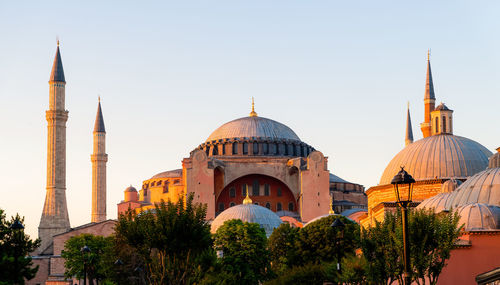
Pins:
x,y
439,156
168,174
437,203
253,126
477,216
250,213
484,187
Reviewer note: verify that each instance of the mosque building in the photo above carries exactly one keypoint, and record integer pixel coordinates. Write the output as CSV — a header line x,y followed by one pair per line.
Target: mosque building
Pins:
x,y
436,158
283,174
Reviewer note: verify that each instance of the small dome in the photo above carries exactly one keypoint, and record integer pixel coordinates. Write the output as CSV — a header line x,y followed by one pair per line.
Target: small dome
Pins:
x,y
495,160
130,189
248,127
450,185
250,213
437,203
479,216
335,178
483,187
439,156
442,107
168,174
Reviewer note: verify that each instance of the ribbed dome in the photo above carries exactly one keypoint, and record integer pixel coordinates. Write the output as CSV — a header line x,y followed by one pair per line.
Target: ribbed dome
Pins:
x,y
450,185
439,156
483,187
437,203
248,213
479,216
130,189
253,127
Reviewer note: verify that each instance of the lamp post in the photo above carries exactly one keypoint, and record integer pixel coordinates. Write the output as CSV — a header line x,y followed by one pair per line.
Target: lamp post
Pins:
x,y
338,225
400,179
16,227
85,251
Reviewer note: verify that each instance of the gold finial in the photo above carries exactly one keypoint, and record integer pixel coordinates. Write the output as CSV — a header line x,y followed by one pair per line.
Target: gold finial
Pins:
x,y
57,38
99,98
428,54
253,113
247,199
408,105
331,212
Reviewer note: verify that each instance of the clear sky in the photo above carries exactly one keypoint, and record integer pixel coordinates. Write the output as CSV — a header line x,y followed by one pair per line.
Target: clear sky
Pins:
x,y
339,73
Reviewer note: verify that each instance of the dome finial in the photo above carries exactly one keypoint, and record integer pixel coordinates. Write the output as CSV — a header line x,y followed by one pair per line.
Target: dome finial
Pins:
x,y
247,199
331,212
253,113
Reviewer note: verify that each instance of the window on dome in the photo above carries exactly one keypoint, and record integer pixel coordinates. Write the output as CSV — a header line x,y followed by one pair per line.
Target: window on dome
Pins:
x,y
232,192
290,207
437,124
215,150
165,188
279,192
207,150
272,148
224,149
245,148
221,207
451,128
255,148
256,203
444,124
268,205
235,148
266,190
278,207
294,150
145,192
285,149
265,148
255,188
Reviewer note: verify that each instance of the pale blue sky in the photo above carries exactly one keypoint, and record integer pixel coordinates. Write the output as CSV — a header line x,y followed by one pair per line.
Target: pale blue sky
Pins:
x,y
339,73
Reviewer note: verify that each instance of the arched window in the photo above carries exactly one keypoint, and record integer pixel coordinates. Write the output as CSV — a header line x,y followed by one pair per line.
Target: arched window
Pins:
x,y
437,124
231,204
279,192
294,149
272,148
232,192
444,124
266,190
255,188
145,192
235,148
207,150
165,188
265,148
290,207
245,148
243,190
268,205
278,207
221,207
451,127
255,148
215,150
256,203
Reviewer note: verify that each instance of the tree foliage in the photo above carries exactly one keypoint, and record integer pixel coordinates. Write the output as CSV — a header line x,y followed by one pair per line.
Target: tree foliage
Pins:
x,y
245,257
168,245
98,263
15,247
282,247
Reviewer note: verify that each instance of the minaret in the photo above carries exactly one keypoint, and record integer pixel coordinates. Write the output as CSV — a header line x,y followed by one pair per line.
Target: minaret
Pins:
x,y
409,131
99,159
429,100
55,218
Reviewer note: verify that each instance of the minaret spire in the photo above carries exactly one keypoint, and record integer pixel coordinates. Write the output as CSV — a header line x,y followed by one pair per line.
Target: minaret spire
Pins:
x,y
99,159
253,113
409,131
55,219
429,100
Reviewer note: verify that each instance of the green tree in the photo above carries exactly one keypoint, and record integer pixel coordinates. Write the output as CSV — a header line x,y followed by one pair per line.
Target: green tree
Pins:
x,y
283,247
245,258
311,274
320,242
15,247
99,263
168,245
431,240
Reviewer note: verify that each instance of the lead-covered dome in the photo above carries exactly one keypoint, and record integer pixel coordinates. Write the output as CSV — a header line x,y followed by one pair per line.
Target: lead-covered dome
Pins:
x,y
257,127
477,216
439,156
483,187
250,213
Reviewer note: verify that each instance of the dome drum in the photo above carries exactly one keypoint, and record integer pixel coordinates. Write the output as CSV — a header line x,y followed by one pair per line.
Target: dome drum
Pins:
x,y
256,146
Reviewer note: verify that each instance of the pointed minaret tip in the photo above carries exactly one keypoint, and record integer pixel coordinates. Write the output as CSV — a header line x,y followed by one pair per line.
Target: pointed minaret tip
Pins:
x,y
409,130
253,113
429,85
57,74
99,121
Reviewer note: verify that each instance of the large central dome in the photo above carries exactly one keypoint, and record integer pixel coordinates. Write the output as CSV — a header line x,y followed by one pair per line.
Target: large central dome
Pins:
x,y
253,127
439,156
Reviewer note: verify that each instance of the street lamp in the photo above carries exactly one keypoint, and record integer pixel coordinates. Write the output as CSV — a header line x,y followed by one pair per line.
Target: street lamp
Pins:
x,y
403,178
338,225
17,225
85,250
